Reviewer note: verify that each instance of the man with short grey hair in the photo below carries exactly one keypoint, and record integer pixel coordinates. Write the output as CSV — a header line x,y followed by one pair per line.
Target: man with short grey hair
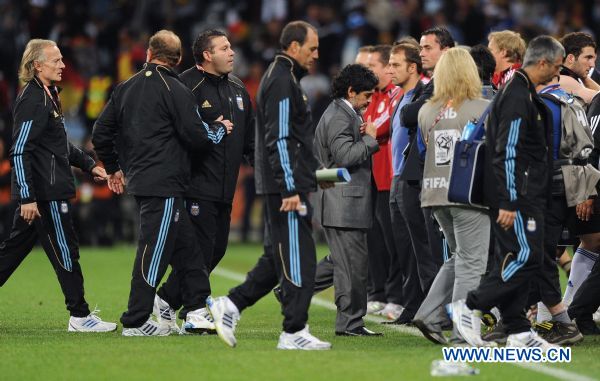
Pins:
x,y
517,183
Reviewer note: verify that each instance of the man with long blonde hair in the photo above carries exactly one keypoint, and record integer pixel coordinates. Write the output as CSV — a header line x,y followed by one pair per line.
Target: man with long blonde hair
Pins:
x,y
42,182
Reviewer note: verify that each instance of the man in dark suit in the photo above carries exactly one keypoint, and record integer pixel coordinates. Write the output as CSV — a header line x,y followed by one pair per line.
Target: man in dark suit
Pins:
x,y
345,211
424,236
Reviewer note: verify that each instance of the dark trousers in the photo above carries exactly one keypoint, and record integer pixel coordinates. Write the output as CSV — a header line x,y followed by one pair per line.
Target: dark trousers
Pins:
x,y
210,222
404,278
519,254
587,298
165,237
289,259
558,216
55,232
324,274
426,242
381,244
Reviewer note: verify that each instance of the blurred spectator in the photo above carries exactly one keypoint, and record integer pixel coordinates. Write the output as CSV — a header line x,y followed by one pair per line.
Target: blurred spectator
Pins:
x,y
104,41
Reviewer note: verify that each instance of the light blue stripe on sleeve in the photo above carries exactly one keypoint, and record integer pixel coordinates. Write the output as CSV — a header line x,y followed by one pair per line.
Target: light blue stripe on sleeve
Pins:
x,y
511,154
284,121
18,160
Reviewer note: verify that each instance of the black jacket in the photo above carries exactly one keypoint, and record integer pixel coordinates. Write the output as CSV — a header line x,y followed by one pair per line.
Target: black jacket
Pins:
x,y
413,167
593,115
215,172
284,160
41,156
148,128
518,148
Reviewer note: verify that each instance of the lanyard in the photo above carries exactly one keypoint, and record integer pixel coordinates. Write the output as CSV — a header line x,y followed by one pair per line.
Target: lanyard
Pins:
x,y
56,103
438,118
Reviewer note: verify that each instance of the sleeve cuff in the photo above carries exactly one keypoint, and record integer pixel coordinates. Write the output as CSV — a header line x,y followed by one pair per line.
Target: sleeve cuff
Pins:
x,y
507,205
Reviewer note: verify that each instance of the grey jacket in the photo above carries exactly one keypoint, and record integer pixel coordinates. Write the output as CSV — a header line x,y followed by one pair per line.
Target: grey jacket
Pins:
x,y
338,143
440,145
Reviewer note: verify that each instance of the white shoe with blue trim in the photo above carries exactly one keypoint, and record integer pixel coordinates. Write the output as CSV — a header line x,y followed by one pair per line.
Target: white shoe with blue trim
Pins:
x,y
225,316
529,339
468,323
149,328
90,323
302,340
198,321
165,315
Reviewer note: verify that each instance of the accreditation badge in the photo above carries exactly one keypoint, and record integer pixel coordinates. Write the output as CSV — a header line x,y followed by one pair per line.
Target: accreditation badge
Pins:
x,y
240,102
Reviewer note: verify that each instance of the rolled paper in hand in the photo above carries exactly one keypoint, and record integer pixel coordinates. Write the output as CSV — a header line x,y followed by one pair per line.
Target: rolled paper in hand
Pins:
x,y
336,175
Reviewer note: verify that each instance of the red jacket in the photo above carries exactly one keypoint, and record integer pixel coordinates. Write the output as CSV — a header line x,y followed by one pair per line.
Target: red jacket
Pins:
x,y
380,110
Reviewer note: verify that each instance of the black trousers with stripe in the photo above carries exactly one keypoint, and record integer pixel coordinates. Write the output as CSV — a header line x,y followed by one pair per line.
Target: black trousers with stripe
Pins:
x,y
289,260
518,258
54,230
210,221
166,237
587,299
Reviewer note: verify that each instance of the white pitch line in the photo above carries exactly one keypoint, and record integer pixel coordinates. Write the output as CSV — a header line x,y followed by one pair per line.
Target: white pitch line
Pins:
x,y
558,373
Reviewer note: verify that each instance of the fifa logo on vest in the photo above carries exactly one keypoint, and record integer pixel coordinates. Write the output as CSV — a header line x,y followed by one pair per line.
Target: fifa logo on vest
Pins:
x,y
450,113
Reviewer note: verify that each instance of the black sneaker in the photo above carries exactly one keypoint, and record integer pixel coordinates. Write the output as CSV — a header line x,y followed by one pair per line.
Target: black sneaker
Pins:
x,y
404,319
587,327
559,333
495,333
433,336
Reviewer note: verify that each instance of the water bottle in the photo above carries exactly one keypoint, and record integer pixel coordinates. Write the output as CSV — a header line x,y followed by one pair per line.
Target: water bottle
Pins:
x,y
468,130
441,368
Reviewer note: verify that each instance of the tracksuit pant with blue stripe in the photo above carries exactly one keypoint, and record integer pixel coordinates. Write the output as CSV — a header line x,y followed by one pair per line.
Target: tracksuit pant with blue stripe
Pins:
x,y
518,259
289,260
166,237
211,222
56,234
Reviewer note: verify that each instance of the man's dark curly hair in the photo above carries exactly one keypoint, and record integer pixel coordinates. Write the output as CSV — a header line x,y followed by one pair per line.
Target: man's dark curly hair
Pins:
x,y
356,76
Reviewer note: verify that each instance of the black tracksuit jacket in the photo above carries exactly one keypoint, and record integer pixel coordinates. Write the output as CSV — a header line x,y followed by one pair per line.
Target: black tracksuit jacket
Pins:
x,y
284,160
518,148
215,172
41,156
148,128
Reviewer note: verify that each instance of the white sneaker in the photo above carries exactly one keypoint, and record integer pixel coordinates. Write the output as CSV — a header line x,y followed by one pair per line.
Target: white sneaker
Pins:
x,y
198,321
225,316
90,323
149,328
391,311
375,307
528,339
468,323
165,315
302,340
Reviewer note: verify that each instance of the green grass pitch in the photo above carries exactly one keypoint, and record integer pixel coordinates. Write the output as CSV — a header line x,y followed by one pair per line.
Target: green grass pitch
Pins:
x,y
34,343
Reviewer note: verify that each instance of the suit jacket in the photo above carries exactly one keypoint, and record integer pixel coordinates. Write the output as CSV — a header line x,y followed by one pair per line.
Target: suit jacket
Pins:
x,y
413,166
338,143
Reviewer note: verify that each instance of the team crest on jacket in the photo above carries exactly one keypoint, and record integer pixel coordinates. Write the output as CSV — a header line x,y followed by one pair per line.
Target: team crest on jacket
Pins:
x,y
240,102
195,210
176,215
381,107
64,207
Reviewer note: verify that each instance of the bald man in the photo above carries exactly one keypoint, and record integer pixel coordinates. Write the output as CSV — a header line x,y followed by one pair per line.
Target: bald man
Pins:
x,y
157,119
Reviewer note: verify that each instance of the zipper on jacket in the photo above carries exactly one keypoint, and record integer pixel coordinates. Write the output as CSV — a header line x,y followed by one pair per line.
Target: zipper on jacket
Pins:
x,y
525,180
232,120
52,169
